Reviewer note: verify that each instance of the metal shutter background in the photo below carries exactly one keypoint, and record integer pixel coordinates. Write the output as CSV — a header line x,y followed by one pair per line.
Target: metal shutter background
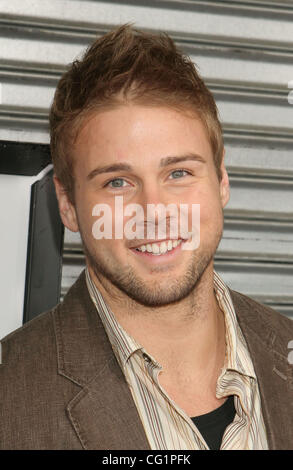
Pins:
x,y
244,51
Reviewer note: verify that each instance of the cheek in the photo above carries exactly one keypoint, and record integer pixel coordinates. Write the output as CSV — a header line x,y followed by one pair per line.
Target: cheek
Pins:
x,y
92,226
84,209
211,212
85,217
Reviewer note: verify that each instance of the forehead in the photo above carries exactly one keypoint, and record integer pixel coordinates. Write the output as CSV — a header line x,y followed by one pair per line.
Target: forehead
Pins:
x,y
141,133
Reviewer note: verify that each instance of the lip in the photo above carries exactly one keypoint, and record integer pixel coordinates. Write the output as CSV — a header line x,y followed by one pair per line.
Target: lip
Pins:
x,y
150,242
153,259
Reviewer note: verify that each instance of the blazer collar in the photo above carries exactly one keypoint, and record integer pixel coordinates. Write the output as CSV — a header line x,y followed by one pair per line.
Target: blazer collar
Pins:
x,y
103,412
267,335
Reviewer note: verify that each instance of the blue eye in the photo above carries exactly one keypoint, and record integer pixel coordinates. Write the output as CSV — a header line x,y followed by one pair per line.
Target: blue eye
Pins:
x,y
117,183
178,173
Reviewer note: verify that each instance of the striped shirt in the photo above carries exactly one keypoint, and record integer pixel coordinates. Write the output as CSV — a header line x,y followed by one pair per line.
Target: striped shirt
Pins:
x,y
166,425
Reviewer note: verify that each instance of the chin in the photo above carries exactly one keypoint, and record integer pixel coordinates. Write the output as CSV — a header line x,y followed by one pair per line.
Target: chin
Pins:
x,y
159,289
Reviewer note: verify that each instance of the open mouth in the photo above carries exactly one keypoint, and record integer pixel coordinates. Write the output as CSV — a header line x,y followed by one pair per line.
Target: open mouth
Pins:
x,y
159,248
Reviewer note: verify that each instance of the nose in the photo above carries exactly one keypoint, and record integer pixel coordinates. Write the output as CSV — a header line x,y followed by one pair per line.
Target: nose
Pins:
x,y
157,215
151,194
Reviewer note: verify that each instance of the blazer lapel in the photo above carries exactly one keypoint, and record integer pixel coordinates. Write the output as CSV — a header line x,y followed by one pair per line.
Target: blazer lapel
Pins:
x,y
267,340
103,412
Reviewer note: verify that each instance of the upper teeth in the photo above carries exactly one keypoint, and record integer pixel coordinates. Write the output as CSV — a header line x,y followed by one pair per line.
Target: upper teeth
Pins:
x,y
159,248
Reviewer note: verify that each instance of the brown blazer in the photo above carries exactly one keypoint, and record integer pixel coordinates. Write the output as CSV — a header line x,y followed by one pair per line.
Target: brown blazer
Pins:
x,y
61,387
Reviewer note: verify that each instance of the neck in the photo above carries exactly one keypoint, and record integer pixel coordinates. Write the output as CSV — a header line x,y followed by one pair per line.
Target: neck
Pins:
x,y
188,334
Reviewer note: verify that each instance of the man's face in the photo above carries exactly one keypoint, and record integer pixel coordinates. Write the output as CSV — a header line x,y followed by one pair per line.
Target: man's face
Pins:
x,y
141,140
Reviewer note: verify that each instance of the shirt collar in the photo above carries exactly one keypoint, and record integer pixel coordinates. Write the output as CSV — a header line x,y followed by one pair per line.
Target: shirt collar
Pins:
x,y
237,354
122,343
124,346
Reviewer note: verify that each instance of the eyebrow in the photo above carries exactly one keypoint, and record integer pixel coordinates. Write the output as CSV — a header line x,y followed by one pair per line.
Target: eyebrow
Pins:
x,y
109,169
183,158
166,161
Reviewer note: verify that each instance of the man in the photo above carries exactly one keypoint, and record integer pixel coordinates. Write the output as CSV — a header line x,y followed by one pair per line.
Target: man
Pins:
x,y
149,349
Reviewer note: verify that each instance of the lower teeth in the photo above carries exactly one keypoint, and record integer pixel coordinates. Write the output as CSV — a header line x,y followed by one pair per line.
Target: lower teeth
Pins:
x,y
158,254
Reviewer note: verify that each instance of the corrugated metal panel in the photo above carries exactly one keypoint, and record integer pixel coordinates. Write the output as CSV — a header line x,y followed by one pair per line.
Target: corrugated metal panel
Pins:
x,y
244,51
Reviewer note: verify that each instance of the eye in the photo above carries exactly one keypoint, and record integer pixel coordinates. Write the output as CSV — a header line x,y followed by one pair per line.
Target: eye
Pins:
x,y
116,183
179,173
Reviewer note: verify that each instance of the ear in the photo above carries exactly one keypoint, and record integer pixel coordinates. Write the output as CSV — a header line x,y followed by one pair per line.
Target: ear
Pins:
x,y
66,208
224,184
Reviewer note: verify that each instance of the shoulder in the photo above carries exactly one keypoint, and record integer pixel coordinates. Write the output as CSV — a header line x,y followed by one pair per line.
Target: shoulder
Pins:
x,y
38,336
33,395
269,325
261,311
35,337
35,329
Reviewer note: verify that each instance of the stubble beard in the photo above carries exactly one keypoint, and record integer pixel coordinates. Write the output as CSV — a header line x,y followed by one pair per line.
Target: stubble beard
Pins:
x,y
152,293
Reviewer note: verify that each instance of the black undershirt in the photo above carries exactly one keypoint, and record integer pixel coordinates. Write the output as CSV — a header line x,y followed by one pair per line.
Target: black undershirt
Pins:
x,y
212,425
